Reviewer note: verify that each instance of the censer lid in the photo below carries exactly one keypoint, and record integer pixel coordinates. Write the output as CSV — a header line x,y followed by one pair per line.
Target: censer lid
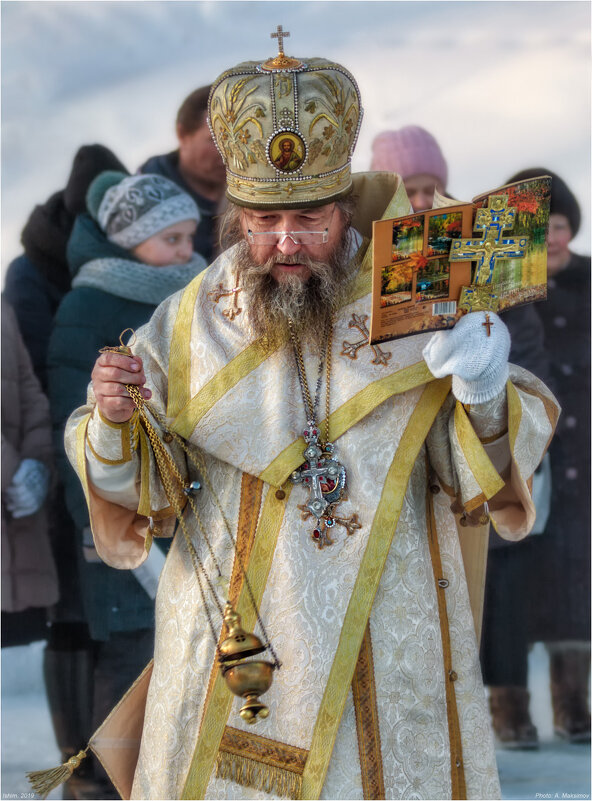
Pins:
x,y
240,643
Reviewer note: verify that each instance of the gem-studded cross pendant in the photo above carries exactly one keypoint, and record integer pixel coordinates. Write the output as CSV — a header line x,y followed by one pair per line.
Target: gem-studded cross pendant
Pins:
x,y
325,478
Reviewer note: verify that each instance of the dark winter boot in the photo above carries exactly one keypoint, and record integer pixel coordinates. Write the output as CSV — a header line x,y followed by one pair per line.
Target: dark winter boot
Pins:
x,y
570,675
511,719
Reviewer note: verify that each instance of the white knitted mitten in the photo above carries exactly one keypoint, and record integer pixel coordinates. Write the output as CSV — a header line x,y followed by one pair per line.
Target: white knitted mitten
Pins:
x,y
478,363
28,488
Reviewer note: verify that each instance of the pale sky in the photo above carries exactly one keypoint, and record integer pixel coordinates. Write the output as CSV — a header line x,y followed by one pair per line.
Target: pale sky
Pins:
x,y
501,85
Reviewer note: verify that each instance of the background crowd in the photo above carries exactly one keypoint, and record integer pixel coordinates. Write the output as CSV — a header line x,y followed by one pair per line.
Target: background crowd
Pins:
x,y
86,272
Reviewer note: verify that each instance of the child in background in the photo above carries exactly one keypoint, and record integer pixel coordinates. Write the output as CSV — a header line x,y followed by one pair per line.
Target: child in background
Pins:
x,y
131,250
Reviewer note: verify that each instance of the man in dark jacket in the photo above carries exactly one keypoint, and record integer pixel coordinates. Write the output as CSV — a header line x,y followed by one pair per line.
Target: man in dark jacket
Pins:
x,y
196,166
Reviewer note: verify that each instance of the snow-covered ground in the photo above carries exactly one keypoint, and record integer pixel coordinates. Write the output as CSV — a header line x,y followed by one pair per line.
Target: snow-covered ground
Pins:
x,y
556,771
502,85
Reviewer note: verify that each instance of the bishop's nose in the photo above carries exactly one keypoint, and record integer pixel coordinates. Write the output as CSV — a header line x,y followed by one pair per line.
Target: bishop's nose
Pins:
x,y
287,246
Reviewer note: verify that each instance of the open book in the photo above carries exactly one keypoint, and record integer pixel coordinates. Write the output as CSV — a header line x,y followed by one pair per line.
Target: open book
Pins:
x,y
431,267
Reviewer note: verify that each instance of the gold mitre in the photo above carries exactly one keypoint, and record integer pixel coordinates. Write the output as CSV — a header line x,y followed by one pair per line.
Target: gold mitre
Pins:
x,y
286,129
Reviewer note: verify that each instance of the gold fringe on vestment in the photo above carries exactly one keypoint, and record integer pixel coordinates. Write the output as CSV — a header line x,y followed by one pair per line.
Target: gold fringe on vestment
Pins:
x,y
274,780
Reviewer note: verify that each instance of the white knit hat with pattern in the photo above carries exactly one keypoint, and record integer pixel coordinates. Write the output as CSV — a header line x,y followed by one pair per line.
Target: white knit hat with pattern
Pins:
x,y
136,207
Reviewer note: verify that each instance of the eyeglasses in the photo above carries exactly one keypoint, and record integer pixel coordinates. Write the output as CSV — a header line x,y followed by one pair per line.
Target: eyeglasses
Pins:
x,y
257,233
279,237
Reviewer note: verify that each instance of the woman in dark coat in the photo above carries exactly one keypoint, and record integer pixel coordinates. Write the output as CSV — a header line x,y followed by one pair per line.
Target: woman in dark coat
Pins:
x,y
560,612
29,578
540,590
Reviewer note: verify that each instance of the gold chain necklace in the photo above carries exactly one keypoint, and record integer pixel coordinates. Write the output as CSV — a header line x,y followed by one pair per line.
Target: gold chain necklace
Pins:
x,y
322,474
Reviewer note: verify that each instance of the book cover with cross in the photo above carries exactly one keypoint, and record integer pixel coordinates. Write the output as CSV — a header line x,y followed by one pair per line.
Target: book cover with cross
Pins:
x,y
431,267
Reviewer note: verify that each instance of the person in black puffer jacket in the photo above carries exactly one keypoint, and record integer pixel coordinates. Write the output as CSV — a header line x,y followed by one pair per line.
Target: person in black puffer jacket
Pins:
x,y
36,281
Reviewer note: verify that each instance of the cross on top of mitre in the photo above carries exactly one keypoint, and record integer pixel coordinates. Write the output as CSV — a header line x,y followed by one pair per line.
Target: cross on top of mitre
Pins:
x,y
281,61
280,35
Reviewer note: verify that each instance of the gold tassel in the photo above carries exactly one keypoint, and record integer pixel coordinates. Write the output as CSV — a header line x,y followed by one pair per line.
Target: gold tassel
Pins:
x,y
250,773
44,781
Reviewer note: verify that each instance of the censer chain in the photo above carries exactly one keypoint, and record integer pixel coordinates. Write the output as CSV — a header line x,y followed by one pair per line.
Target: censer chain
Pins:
x,y
167,470
165,464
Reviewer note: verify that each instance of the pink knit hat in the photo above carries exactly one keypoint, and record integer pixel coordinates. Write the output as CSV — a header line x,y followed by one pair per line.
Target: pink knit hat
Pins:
x,y
409,151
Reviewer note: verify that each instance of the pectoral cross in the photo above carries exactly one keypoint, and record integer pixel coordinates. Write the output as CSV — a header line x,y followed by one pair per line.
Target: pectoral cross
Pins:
x,y
493,221
325,479
280,35
234,309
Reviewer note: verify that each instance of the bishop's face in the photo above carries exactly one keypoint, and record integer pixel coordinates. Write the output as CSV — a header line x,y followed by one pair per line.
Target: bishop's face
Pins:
x,y
295,265
307,227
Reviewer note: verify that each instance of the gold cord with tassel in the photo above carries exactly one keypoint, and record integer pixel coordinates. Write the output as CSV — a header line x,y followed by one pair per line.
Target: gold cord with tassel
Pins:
x,y
44,781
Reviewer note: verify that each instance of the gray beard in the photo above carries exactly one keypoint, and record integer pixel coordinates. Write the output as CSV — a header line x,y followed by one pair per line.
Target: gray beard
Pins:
x,y
309,305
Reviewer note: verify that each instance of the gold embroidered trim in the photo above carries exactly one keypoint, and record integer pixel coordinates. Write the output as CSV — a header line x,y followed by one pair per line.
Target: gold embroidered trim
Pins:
x,y
192,411
180,351
264,750
189,411
254,761
367,581
248,517
477,459
457,773
81,439
551,408
215,389
475,502
110,423
144,507
367,726
347,415
103,460
220,702
125,441
493,437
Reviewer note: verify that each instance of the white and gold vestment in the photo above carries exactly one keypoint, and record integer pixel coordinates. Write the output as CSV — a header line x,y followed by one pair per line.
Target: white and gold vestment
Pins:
x,y
379,694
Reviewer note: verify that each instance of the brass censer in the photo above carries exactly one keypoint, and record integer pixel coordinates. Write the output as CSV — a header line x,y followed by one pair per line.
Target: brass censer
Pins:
x,y
245,677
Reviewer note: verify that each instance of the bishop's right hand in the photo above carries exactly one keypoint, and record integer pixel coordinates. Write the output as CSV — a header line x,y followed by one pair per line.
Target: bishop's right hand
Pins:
x,y
111,373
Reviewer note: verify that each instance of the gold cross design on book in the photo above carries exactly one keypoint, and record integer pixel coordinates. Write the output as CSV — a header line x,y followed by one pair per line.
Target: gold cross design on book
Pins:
x,y
350,349
216,294
494,221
